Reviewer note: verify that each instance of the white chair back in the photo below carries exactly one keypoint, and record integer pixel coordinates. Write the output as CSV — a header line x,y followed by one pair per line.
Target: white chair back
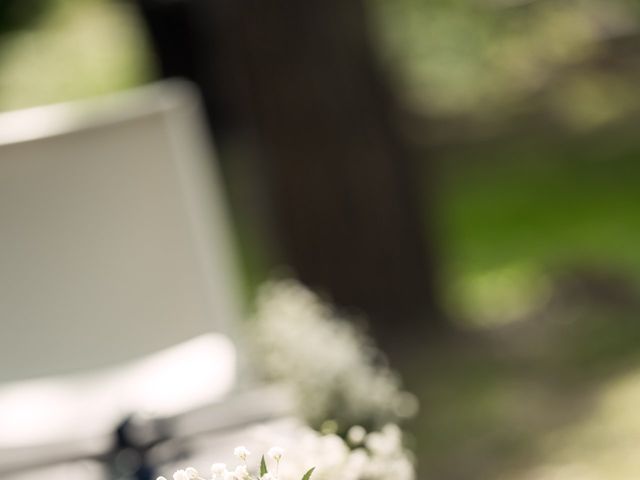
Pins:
x,y
114,241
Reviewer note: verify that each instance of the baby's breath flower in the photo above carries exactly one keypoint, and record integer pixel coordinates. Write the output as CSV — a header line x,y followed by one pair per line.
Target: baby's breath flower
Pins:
x,y
276,453
356,435
346,382
241,452
192,473
218,469
381,457
241,472
181,475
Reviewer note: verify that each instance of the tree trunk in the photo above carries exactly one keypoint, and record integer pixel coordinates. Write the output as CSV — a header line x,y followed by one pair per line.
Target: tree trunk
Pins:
x,y
301,78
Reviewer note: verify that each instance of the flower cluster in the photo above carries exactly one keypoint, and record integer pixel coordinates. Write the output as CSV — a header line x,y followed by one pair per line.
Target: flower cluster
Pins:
x,y
376,455
219,471
362,455
334,368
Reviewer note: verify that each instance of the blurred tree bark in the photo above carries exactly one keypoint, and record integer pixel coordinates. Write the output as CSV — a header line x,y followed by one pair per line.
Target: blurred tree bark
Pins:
x,y
300,80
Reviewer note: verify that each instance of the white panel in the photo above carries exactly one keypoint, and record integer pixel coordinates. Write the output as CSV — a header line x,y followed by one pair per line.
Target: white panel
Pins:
x,y
113,240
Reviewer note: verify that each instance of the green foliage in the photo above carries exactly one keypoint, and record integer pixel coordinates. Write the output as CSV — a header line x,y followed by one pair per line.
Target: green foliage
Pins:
x,y
513,211
487,58
17,14
263,467
307,475
74,50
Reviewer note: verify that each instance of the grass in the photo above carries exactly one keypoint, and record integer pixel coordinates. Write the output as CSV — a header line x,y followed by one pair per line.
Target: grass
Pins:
x,y
521,208
528,402
551,227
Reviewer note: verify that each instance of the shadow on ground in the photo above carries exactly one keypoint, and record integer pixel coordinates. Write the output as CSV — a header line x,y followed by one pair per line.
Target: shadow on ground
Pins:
x,y
551,396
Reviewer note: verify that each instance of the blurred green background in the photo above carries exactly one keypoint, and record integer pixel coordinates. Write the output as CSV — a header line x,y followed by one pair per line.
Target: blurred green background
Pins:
x,y
528,113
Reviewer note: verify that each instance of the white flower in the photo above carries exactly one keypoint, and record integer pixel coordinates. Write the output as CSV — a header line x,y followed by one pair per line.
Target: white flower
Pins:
x,y
385,442
358,459
333,458
356,435
161,478
192,473
403,468
346,382
181,475
241,472
241,452
276,453
383,458
333,447
218,469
